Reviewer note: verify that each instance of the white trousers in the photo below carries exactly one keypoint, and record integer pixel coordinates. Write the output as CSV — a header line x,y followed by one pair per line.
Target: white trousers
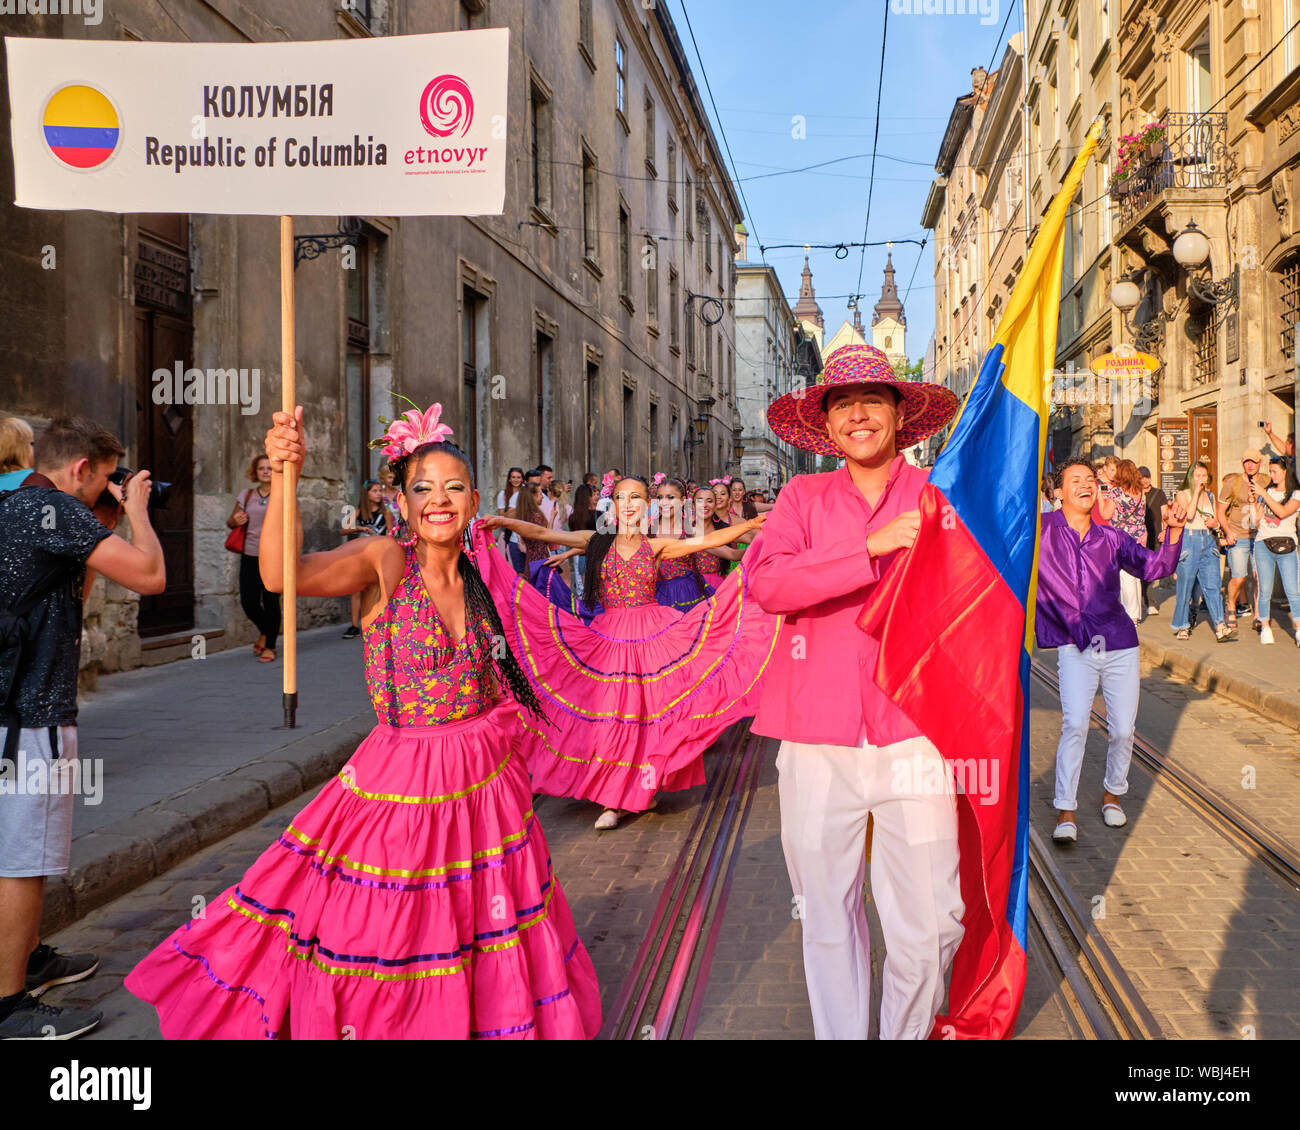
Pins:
x,y
1120,675
1130,595
826,793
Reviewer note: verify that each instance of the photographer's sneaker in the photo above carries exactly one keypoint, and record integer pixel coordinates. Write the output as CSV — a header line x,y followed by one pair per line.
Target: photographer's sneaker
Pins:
x,y
47,968
1265,634
31,1020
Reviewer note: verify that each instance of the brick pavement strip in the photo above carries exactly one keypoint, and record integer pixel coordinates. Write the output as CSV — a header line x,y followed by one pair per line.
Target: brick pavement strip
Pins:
x,y
1186,911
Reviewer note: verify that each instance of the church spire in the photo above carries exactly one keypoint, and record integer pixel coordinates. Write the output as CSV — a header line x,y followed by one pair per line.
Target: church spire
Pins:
x,y
889,305
807,310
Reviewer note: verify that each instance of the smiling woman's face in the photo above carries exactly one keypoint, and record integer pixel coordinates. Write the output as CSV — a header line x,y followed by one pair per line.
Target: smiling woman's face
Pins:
x,y
704,504
438,501
632,503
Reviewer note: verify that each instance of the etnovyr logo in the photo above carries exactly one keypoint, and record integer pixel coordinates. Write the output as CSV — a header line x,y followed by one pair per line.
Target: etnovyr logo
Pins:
x,y
180,385
446,106
92,11
987,10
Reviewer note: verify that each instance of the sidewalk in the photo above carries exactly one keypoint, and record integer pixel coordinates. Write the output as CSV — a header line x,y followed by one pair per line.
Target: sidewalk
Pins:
x,y
1264,678
186,753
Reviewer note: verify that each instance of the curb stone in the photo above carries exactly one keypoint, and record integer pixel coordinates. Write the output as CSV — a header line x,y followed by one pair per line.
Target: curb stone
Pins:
x,y
113,860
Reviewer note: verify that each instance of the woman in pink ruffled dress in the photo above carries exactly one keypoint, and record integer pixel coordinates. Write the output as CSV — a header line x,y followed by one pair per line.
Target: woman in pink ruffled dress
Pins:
x,y
639,694
413,898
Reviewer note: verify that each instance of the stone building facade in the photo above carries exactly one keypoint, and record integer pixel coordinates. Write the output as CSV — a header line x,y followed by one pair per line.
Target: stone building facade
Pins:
x,y
952,211
1214,92
768,365
586,327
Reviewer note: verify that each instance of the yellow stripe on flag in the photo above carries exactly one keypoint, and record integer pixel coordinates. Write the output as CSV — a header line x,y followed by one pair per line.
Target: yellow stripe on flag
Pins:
x,y
80,106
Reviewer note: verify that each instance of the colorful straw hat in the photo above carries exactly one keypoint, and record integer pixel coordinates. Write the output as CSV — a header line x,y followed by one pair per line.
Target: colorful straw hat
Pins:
x,y
799,418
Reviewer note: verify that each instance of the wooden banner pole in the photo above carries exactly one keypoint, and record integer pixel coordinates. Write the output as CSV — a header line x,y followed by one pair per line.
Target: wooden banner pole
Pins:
x,y
288,395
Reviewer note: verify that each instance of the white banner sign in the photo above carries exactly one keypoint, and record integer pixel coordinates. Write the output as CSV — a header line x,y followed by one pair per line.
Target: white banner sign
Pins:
x,y
411,125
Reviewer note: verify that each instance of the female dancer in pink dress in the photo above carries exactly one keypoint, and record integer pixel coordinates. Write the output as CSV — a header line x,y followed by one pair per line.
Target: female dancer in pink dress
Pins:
x,y
680,584
413,898
639,694
712,563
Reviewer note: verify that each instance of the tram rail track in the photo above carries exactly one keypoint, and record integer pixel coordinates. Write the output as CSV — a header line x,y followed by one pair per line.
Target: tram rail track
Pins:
x,y
1239,828
663,993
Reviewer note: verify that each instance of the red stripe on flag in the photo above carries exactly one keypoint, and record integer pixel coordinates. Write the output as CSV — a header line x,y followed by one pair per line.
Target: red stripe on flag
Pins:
x,y
950,633
80,156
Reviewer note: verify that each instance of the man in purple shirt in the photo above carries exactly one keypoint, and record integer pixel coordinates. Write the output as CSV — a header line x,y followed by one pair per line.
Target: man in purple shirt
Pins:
x,y
1079,614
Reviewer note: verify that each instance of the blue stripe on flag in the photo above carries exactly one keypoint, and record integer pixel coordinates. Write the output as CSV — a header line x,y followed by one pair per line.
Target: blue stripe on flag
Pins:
x,y
81,137
988,471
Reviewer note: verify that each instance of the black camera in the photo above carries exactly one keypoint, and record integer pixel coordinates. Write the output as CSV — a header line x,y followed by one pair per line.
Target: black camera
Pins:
x,y
159,493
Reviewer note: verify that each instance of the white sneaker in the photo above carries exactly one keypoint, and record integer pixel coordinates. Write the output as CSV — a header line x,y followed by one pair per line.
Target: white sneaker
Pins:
x,y
1067,832
1152,610
1265,634
607,820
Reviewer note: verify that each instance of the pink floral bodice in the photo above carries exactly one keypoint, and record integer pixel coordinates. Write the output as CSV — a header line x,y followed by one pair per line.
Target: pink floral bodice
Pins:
x,y
417,675
675,567
628,584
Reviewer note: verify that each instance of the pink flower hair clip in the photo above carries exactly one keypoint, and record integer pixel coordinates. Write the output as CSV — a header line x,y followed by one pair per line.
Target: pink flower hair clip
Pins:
x,y
659,477
607,484
413,430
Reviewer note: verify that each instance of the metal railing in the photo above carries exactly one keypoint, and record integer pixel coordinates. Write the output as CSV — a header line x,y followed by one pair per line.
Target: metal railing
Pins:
x,y
1194,154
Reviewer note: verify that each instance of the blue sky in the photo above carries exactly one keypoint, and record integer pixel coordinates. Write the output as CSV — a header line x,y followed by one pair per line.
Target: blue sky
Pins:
x,y
769,61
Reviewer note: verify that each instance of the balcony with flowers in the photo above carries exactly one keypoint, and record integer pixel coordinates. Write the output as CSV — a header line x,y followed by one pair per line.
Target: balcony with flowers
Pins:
x,y
1164,164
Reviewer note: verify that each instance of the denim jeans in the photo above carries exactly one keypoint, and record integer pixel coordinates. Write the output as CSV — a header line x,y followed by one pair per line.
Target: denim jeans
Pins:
x,y
1285,565
1198,561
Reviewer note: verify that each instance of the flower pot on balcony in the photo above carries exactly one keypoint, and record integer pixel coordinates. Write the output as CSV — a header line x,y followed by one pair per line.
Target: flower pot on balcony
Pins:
x,y
1155,150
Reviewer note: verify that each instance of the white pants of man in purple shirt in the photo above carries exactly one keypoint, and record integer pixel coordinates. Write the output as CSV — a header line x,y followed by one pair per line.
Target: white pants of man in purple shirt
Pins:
x,y
826,793
1119,674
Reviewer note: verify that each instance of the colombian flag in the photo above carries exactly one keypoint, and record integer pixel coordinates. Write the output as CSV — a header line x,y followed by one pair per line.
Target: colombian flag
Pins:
x,y
955,620
80,126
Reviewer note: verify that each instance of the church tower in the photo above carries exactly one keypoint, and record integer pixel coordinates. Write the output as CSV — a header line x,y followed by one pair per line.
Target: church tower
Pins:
x,y
806,309
888,321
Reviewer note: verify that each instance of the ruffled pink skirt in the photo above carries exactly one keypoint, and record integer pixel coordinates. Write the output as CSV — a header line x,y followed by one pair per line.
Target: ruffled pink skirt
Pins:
x,y
636,697
413,898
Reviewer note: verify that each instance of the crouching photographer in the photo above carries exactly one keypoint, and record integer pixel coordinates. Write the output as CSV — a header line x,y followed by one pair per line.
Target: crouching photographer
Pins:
x,y
55,534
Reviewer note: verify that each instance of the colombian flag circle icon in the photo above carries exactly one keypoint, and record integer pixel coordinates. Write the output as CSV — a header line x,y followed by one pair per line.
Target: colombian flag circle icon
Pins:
x,y
81,126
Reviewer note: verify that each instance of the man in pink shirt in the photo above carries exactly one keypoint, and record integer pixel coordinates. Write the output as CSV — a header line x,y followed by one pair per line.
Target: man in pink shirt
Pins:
x,y
847,751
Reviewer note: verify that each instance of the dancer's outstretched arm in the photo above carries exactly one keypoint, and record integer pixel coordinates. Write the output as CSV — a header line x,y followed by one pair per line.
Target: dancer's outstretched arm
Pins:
x,y
668,548
575,539
351,567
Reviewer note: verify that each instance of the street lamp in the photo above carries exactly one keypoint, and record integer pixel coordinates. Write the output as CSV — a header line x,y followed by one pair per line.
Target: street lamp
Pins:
x,y
1126,295
1192,252
696,433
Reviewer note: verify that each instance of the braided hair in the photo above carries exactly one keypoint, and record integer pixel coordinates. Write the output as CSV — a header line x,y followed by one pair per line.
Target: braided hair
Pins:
x,y
481,615
598,548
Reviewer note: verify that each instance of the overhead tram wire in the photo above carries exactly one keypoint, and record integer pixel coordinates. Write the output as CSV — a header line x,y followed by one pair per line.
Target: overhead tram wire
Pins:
x,y
735,172
871,184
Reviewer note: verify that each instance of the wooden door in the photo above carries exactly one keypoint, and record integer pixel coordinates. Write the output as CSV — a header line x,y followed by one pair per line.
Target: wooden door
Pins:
x,y
165,442
1205,442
